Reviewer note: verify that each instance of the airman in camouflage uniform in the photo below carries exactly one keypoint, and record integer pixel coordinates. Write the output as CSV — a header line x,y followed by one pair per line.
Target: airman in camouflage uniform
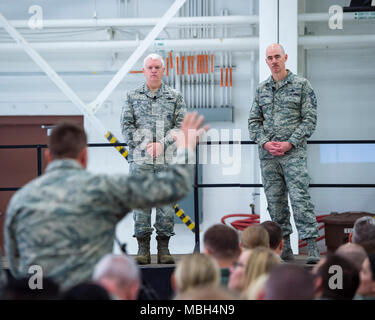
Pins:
x,y
282,117
65,220
149,115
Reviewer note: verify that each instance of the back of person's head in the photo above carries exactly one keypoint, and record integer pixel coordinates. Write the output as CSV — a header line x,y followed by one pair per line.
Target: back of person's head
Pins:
x,y
364,229
337,278
255,236
352,252
368,246
67,140
196,270
260,261
367,278
86,291
222,243
256,290
289,282
275,233
206,293
20,289
119,275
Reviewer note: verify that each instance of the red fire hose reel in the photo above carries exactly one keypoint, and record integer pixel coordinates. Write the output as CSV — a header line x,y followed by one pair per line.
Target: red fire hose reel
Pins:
x,y
251,219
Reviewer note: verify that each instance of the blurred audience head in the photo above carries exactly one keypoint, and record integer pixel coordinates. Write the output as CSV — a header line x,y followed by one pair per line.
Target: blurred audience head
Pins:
x,y
254,236
261,261
195,271
364,230
352,252
205,293
335,278
256,290
289,282
67,140
119,275
275,235
222,243
237,272
367,277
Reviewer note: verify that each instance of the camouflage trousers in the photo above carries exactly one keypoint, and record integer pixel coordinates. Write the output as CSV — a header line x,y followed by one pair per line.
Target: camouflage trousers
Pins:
x,y
164,222
285,174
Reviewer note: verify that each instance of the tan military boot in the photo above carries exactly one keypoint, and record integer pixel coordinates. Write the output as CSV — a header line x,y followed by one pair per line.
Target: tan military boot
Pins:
x,y
313,255
164,256
287,253
143,256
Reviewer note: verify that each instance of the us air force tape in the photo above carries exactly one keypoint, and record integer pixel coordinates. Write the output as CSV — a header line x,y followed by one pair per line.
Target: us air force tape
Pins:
x,y
120,149
185,219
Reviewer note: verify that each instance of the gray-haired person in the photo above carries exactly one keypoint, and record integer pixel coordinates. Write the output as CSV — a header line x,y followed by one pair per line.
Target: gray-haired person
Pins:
x,y
149,116
363,230
119,275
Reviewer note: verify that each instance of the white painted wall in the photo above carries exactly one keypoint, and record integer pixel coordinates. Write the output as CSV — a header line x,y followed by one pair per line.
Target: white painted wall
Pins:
x,y
343,80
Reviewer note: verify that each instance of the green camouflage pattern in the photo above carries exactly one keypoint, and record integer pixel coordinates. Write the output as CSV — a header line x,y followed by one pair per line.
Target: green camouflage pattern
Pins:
x,y
148,117
286,111
284,114
65,220
164,220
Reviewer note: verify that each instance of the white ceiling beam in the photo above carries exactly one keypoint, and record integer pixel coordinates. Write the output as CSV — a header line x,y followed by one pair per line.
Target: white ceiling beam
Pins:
x,y
141,49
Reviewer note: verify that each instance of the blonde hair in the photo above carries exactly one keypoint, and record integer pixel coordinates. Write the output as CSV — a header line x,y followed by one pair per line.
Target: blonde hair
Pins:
x,y
261,261
252,293
196,270
255,236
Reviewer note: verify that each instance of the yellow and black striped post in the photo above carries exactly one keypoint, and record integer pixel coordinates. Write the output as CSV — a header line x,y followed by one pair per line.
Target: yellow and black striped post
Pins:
x,y
179,212
185,219
112,139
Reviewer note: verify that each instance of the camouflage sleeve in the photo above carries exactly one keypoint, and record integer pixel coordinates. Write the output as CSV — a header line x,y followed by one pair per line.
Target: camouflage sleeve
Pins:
x,y
179,115
10,241
127,122
308,115
255,123
154,189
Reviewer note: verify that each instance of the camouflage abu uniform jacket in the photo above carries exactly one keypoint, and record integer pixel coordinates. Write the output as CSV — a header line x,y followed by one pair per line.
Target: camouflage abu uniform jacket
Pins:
x,y
148,117
65,220
287,113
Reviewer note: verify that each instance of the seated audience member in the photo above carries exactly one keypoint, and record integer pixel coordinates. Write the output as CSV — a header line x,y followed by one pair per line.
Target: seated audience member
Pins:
x,y
206,293
289,282
195,271
363,230
256,290
221,242
19,289
369,246
65,220
352,252
237,271
261,261
119,275
254,236
86,291
366,289
335,278
275,235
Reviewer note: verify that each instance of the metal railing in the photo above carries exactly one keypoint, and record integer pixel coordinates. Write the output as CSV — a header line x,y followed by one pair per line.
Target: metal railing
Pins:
x,y
196,186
